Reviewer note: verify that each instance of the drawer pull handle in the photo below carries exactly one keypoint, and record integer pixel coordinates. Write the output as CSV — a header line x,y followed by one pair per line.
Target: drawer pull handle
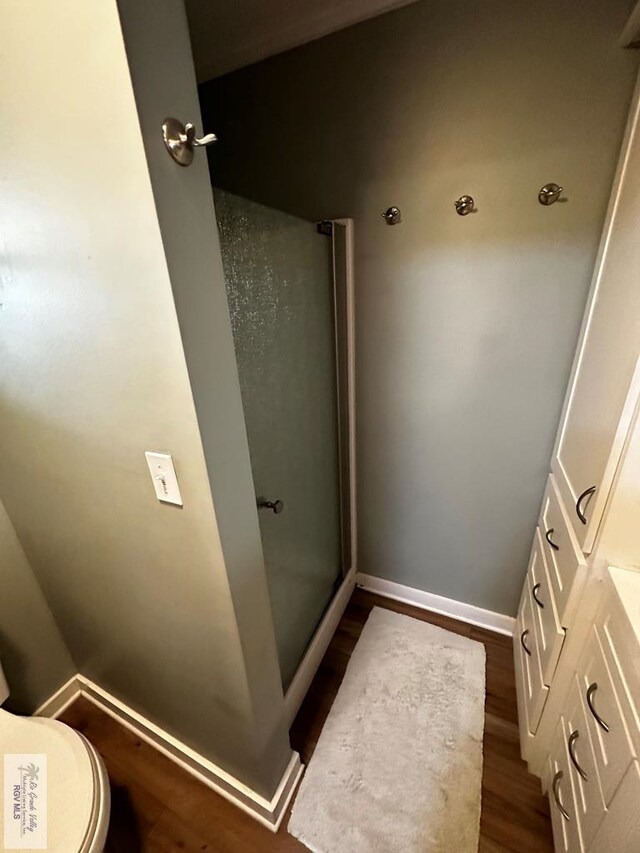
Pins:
x,y
584,496
572,739
554,785
534,591
548,536
524,645
590,691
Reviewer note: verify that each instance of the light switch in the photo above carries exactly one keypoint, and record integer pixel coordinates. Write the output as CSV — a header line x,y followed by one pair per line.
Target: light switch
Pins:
x,y
163,475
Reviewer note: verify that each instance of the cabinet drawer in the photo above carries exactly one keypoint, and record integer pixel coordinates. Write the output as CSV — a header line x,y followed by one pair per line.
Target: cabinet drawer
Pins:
x,y
566,830
611,745
565,560
550,634
535,690
620,830
623,661
589,800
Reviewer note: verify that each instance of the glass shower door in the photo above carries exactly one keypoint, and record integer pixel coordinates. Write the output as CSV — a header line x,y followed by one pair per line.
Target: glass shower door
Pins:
x,y
279,278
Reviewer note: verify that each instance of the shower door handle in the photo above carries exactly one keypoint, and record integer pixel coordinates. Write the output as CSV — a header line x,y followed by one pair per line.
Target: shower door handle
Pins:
x,y
276,506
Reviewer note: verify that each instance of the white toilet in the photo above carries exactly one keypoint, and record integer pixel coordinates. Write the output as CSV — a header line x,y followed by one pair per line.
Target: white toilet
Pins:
x,y
77,786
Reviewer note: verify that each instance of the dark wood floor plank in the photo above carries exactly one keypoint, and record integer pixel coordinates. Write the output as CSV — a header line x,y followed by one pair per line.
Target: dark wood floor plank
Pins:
x,y
158,807
516,827
171,834
129,754
487,845
134,812
174,788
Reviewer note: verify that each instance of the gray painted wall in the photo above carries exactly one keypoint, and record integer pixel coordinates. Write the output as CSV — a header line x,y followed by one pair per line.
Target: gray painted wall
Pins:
x,y
158,49
466,327
93,373
33,655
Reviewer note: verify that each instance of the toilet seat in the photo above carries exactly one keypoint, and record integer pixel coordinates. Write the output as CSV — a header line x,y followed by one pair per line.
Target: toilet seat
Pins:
x,y
77,784
97,831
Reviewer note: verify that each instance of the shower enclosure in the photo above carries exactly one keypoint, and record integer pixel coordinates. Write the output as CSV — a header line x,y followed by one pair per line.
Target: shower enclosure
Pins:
x,y
287,287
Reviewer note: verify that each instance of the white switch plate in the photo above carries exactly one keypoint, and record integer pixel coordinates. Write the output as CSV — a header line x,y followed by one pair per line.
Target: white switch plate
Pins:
x,y
163,475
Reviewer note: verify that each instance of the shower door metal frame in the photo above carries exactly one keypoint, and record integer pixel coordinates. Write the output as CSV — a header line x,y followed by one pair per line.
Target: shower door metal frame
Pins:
x,y
343,302
344,318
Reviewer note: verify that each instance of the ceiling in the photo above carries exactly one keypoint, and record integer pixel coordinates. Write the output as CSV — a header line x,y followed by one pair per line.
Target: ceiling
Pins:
x,y
229,34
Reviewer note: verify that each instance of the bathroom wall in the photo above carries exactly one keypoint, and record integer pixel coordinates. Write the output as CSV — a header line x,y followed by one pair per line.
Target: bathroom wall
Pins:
x,y
93,373
158,48
33,655
466,327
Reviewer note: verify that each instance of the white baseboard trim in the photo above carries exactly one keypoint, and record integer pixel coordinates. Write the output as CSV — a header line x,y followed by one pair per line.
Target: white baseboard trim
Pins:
x,y
267,812
59,702
497,622
309,664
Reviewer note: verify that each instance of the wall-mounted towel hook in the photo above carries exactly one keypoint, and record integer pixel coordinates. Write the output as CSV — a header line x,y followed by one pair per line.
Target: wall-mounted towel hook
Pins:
x,y
275,506
464,205
180,140
550,194
392,215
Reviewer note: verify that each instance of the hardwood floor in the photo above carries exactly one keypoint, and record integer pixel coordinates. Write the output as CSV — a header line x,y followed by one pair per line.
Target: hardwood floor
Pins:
x,y
158,807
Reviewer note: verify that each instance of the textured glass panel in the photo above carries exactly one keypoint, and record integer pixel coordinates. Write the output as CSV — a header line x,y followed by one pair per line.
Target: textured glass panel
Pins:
x,y
278,273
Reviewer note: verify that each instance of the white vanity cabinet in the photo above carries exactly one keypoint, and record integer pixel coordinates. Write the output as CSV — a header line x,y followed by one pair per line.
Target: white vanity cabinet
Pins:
x,y
598,418
593,769
606,375
577,661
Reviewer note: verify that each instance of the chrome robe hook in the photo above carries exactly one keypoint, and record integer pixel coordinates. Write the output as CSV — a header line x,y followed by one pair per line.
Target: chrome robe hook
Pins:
x,y
392,216
180,140
549,194
464,205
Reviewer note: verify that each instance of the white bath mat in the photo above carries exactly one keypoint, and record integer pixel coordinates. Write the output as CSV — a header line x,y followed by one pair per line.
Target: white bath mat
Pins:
x,y
398,766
